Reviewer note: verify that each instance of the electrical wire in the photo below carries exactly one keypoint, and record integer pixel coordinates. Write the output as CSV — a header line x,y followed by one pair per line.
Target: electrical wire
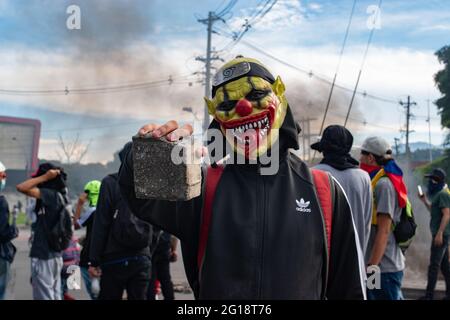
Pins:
x,y
341,54
369,41
100,90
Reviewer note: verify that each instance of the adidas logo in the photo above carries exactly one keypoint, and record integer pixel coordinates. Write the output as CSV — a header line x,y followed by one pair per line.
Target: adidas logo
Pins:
x,y
303,206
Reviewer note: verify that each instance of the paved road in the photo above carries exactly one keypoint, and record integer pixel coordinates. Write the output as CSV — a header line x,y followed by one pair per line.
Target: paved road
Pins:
x,y
20,289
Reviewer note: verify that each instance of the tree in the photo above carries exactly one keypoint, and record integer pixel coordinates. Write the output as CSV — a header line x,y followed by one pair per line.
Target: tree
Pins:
x,y
442,79
72,151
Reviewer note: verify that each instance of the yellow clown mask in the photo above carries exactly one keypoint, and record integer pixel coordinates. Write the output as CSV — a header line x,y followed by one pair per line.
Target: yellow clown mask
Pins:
x,y
249,104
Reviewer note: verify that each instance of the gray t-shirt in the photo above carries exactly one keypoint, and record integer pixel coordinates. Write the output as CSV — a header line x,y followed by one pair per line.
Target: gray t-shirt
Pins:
x,y
386,201
358,189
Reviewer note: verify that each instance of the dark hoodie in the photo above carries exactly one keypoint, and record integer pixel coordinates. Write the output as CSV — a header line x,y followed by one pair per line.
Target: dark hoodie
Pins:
x,y
104,248
47,209
259,245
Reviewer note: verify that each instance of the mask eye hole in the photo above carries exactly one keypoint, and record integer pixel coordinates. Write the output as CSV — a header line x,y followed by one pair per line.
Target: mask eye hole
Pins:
x,y
257,94
227,105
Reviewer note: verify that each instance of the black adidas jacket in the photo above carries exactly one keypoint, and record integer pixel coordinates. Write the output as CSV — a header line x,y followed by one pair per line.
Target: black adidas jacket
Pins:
x,y
259,245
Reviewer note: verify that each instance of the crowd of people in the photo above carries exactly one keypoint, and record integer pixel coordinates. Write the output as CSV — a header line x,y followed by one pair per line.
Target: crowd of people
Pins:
x,y
300,233
116,250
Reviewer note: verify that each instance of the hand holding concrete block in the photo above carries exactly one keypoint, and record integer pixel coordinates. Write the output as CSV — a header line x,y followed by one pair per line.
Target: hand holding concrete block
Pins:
x,y
163,170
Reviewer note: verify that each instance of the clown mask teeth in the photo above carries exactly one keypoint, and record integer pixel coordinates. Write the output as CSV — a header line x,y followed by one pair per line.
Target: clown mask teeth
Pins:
x,y
263,125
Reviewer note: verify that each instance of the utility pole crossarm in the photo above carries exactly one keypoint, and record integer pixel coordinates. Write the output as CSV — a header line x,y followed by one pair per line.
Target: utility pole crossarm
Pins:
x,y
212,17
409,115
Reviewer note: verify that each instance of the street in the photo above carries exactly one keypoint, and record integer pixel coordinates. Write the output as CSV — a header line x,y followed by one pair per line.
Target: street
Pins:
x,y
19,287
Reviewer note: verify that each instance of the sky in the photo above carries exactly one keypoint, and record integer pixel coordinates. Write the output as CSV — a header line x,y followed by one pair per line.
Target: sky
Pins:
x,y
150,49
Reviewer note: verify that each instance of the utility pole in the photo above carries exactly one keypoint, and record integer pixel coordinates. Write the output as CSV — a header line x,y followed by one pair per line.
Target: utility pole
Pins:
x,y
407,106
306,137
429,132
212,17
308,130
396,141
302,124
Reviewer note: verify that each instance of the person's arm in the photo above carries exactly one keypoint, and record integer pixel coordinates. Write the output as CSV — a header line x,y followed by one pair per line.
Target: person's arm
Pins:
x,y
81,201
29,187
386,202
173,249
439,238
384,223
346,265
425,201
103,219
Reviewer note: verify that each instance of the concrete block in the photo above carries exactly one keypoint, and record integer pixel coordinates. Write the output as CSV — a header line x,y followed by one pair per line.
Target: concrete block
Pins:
x,y
160,174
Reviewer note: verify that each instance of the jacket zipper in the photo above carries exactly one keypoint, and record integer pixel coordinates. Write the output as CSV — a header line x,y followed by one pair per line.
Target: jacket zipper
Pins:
x,y
261,273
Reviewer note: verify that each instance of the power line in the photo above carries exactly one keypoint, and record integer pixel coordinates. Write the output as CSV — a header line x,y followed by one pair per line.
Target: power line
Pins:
x,y
362,66
320,78
353,119
98,90
227,9
341,54
254,18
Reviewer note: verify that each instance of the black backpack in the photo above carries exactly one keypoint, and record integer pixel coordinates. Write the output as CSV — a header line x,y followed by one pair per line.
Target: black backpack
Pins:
x,y
127,229
60,234
405,229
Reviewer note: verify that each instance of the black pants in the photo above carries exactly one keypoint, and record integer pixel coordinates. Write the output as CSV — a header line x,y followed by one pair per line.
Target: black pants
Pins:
x,y
438,259
131,275
161,272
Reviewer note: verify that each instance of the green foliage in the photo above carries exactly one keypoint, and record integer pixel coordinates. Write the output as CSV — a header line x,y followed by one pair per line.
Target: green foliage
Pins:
x,y
442,162
442,79
21,219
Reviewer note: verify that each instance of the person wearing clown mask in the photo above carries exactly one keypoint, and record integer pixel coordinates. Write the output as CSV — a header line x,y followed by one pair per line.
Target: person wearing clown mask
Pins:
x,y
253,234
7,233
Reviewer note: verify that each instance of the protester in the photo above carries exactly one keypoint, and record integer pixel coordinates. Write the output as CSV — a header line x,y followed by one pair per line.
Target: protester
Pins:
x,y
267,238
390,196
164,253
48,187
335,144
438,203
84,217
120,246
7,233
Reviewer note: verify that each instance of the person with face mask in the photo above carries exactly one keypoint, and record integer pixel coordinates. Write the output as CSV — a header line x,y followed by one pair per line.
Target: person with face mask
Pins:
x,y
437,202
255,233
7,233
390,196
